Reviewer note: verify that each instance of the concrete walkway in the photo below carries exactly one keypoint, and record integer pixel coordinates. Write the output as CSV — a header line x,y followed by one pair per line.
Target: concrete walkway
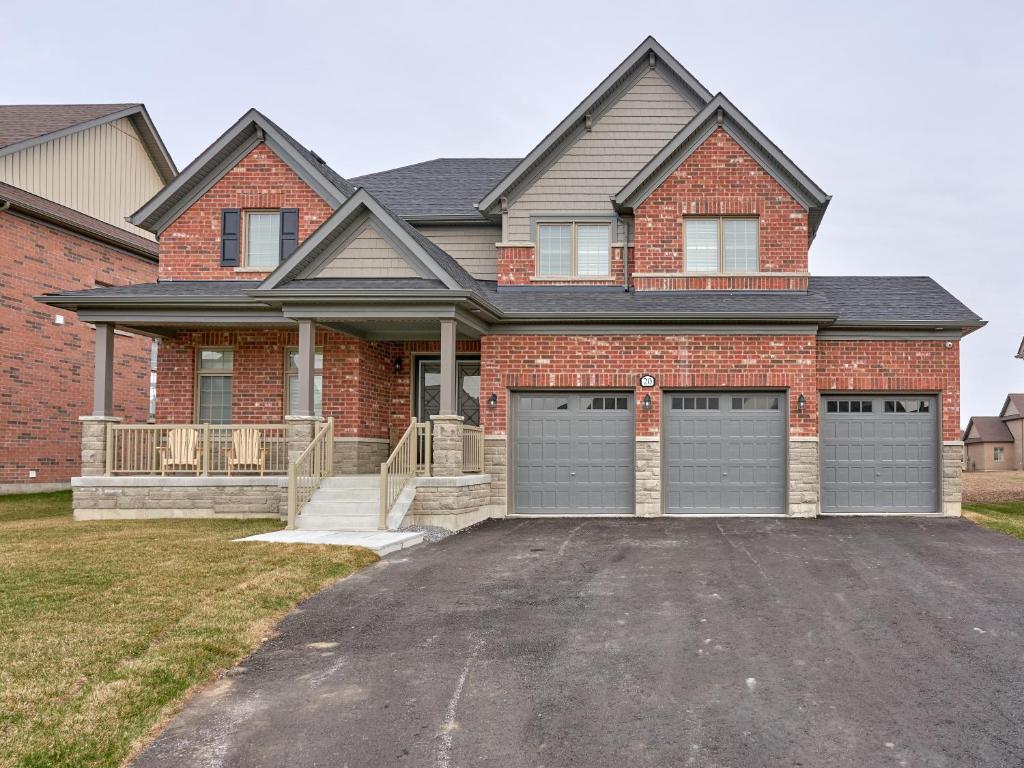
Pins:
x,y
640,643
381,542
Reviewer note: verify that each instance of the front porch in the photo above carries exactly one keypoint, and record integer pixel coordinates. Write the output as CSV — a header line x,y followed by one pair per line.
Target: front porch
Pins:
x,y
369,434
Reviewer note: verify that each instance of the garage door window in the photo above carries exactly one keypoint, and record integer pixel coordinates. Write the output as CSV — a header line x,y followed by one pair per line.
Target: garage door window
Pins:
x,y
608,404
906,406
755,403
848,406
694,403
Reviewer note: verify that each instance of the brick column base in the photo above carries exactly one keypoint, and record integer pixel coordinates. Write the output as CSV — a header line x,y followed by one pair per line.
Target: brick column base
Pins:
x,y
447,445
94,444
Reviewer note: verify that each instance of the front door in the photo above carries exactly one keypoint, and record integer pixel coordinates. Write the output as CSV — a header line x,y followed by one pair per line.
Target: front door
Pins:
x,y
428,390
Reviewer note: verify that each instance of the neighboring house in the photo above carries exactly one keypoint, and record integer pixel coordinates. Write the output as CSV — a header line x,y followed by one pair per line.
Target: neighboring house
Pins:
x,y
996,442
627,312
1020,350
69,175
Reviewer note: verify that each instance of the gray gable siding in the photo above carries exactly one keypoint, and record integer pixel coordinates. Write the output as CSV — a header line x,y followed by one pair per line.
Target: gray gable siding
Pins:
x,y
366,255
473,247
596,166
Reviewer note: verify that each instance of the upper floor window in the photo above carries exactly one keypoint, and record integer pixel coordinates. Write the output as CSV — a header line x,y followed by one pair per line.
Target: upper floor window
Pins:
x,y
721,244
262,239
573,249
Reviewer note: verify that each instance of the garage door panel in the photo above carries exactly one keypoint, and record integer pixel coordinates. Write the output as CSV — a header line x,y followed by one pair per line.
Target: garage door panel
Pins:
x,y
724,453
573,453
882,457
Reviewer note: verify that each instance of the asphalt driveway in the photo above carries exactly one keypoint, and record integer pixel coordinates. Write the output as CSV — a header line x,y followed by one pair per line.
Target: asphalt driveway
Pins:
x,y
829,642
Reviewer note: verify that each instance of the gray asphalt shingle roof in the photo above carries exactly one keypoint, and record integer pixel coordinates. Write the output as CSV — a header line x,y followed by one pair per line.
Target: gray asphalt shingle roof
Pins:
x,y
21,122
891,299
850,300
445,187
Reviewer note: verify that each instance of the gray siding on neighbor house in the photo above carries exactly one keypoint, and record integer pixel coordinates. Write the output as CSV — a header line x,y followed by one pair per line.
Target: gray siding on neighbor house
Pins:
x,y
603,159
366,255
473,247
105,172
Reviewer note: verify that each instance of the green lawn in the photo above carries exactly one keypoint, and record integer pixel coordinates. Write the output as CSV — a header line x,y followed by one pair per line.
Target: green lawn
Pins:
x,y
105,627
1005,517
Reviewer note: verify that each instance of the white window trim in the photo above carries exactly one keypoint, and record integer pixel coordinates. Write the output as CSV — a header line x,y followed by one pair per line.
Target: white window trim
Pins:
x,y
573,254
244,266
721,271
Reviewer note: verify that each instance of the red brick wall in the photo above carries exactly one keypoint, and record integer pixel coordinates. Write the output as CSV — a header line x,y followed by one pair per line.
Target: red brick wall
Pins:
x,y
46,370
356,388
742,361
518,266
190,246
719,178
917,366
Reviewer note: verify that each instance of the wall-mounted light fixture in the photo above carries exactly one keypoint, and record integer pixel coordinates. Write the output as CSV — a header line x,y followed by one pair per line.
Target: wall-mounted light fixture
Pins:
x,y
492,401
648,402
396,365
801,401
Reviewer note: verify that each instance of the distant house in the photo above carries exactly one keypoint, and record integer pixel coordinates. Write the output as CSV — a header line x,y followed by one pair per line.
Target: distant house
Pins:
x,y
69,175
996,442
1020,350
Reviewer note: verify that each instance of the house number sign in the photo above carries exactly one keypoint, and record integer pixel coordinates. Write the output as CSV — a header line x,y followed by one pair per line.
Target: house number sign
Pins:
x,y
647,380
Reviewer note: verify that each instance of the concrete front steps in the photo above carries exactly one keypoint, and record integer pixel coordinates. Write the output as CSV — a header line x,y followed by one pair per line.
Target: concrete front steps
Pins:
x,y
350,504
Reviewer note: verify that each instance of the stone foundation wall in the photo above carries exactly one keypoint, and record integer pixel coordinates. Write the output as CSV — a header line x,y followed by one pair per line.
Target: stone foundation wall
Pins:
x,y
496,465
952,485
453,503
359,456
140,498
804,480
648,477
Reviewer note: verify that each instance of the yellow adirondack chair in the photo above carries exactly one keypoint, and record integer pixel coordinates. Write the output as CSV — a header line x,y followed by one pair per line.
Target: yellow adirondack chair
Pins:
x,y
182,450
246,451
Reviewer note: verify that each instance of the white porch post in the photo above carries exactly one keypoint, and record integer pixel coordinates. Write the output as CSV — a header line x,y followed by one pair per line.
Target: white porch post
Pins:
x,y
304,404
103,378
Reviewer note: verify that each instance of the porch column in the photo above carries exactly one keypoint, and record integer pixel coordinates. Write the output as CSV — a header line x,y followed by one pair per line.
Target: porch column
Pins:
x,y
448,400
447,425
306,362
103,378
95,426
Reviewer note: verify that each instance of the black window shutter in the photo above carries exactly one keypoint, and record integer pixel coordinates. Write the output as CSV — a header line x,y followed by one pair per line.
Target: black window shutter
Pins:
x,y
230,227
289,231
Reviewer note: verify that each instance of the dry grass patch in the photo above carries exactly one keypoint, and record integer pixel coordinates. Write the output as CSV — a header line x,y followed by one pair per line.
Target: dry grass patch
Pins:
x,y
106,626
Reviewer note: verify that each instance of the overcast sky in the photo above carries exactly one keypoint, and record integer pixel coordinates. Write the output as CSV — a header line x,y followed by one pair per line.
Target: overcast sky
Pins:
x,y
909,114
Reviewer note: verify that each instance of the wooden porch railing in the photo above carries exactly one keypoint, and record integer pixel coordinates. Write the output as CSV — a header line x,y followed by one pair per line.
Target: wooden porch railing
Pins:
x,y
307,472
402,465
196,449
472,449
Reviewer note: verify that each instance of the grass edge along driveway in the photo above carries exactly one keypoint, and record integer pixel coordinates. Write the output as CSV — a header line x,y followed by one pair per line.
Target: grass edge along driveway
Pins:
x,y
1002,516
107,627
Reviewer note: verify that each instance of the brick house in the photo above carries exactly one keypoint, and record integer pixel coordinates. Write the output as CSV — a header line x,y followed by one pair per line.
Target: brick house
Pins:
x,y
623,322
69,175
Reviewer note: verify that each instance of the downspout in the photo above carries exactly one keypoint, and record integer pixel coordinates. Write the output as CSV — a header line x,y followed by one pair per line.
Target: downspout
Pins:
x,y
625,258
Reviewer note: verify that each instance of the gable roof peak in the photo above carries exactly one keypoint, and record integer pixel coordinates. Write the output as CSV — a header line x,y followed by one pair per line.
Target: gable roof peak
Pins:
x,y
251,129
720,112
27,125
648,54
437,261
